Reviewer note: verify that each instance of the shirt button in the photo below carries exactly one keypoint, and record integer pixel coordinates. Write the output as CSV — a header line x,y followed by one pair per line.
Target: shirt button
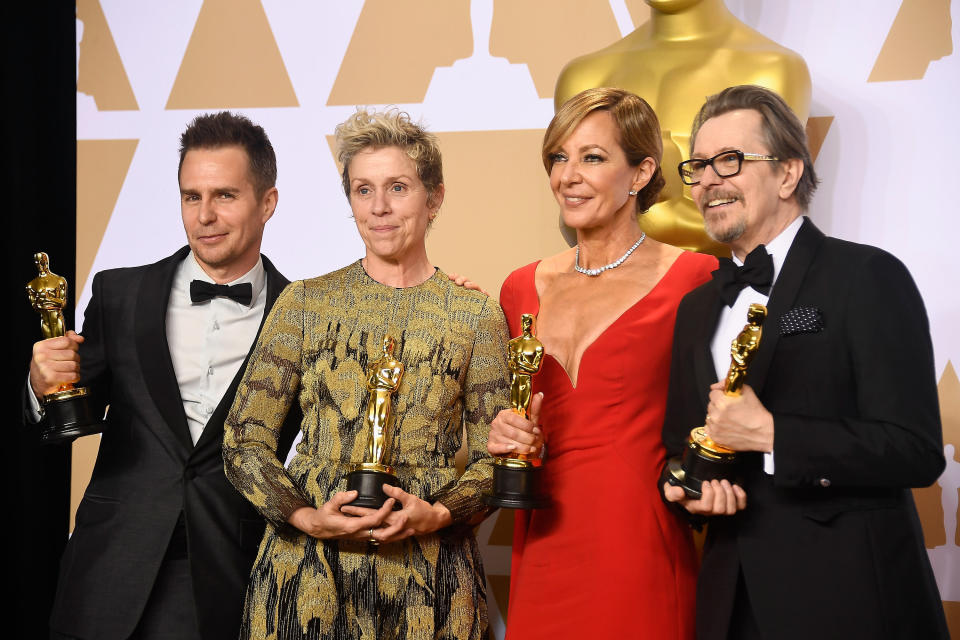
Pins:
x,y
216,325
209,371
824,482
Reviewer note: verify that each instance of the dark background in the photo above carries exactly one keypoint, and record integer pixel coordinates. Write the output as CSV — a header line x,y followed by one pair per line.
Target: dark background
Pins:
x,y
39,132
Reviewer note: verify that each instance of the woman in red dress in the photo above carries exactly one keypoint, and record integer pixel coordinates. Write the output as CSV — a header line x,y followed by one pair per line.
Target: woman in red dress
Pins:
x,y
607,559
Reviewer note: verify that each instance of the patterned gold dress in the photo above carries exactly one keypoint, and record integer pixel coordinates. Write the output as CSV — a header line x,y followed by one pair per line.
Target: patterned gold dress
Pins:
x,y
314,349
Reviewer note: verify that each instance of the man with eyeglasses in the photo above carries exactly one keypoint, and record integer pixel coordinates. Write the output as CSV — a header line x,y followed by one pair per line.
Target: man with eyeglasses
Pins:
x,y
838,419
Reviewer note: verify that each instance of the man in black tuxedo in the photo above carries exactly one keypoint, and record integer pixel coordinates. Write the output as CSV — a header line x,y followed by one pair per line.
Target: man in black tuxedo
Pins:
x,y
163,544
839,416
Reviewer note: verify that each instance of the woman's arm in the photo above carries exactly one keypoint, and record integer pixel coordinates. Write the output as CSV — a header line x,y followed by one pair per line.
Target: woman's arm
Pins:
x,y
270,384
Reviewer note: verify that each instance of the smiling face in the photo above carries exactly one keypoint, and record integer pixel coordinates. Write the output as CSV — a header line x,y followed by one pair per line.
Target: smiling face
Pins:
x,y
222,214
590,176
753,206
390,205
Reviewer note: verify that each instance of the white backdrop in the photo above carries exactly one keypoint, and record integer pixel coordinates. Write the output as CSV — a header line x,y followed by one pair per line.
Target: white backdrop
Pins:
x,y
887,162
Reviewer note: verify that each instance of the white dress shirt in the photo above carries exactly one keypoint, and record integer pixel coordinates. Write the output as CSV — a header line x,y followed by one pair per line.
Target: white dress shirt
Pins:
x,y
733,319
209,340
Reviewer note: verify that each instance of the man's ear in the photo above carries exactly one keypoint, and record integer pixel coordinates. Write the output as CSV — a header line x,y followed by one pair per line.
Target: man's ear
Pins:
x,y
269,203
792,172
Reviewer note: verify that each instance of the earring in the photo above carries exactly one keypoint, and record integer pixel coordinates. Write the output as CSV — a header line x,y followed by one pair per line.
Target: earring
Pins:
x,y
633,193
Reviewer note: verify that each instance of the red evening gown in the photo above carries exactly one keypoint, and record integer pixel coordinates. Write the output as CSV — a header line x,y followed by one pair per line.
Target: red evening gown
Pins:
x,y
607,560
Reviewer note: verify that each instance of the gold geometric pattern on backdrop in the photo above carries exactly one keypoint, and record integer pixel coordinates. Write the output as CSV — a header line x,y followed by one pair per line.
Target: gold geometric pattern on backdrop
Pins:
x,y
484,203
929,499
500,585
101,73
232,61
102,167
395,47
817,128
952,609
540,34
920,34
510,214
502,533
639,11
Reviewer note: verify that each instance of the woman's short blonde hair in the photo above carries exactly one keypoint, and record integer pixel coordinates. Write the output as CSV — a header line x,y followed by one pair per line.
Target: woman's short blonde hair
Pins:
x,y
637,125
368,129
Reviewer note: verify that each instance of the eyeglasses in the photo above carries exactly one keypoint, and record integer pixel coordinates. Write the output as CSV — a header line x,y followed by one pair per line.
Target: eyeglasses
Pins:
x,y
726,164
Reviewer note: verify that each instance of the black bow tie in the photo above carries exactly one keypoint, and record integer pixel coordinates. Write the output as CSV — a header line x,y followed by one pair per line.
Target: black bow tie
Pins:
x,y
757,272
201,291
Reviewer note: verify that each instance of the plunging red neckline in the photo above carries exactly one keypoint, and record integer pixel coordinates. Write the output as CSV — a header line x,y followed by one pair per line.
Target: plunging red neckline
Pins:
x,y
623,314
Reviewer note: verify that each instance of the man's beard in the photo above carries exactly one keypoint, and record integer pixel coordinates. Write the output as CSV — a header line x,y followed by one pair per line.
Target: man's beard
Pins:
x,y
713,223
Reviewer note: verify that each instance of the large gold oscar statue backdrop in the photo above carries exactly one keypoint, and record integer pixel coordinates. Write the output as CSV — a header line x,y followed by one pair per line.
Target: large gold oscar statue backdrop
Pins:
x,y
687,50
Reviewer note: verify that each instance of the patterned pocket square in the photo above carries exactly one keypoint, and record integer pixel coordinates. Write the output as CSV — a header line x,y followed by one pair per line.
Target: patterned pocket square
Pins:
x,y
801,320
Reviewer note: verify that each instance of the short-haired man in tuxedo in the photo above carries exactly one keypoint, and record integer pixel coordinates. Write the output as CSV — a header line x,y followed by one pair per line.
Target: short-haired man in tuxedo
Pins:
x,y
163,544
839,416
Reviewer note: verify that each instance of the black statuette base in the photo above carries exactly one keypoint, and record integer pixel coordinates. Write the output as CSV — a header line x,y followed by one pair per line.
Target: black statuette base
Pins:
x,y
517,488
699,466
68,418
369,487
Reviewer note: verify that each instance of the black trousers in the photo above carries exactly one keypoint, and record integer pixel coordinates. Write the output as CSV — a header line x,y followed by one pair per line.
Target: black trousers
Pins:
x,y
743,624
170,613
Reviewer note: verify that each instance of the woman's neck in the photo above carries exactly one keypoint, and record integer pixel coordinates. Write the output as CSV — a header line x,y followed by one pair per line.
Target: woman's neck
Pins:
x,y
407,272
600,246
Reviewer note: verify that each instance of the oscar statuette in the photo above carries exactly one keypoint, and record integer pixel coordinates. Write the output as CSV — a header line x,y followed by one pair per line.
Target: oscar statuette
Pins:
x,y
704,459
383,380
516,479
67,410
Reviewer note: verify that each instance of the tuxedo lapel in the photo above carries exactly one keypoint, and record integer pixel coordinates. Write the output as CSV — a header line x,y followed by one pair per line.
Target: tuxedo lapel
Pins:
x,y
213,430
785,289
709,314
150,327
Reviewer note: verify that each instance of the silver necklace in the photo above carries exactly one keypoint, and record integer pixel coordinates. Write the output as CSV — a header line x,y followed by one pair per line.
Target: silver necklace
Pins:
x,y
613,265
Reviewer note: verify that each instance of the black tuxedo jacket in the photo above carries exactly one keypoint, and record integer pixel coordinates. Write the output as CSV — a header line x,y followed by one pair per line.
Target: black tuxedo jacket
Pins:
x,y
148,472
829,546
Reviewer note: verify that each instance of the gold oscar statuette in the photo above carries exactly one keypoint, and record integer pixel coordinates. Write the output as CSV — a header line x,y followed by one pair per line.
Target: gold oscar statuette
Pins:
x,y
516,478
383,380
703,458
686,51
67,410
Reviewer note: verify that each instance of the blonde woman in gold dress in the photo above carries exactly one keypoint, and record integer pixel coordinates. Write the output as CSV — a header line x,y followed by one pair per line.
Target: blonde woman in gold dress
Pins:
x,y
327,570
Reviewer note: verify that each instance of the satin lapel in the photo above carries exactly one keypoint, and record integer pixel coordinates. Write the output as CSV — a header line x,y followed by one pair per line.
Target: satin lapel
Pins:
x,y
213,430
704,367
150,329
799,258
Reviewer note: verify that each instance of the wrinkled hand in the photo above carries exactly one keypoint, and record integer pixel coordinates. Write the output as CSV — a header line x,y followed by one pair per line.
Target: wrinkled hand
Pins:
x,y
464,282
512,433
417,517
719,498
741,422
56,361
328,522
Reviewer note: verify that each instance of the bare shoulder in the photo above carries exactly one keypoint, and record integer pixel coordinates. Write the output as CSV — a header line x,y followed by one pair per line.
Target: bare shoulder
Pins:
x,y
558,263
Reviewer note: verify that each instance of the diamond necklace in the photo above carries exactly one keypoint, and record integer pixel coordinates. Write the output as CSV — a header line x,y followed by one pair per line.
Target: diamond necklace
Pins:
x,y
613,265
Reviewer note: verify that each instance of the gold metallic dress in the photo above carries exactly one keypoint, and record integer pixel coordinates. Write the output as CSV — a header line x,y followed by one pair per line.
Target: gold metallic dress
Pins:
x,y
314,349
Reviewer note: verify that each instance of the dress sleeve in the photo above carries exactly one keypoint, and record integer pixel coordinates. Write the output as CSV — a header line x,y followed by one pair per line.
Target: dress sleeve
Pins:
x,y
486,393
269,386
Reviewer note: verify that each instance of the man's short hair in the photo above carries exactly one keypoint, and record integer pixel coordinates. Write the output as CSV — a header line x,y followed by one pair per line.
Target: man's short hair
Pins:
x,y
225,129
782,131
